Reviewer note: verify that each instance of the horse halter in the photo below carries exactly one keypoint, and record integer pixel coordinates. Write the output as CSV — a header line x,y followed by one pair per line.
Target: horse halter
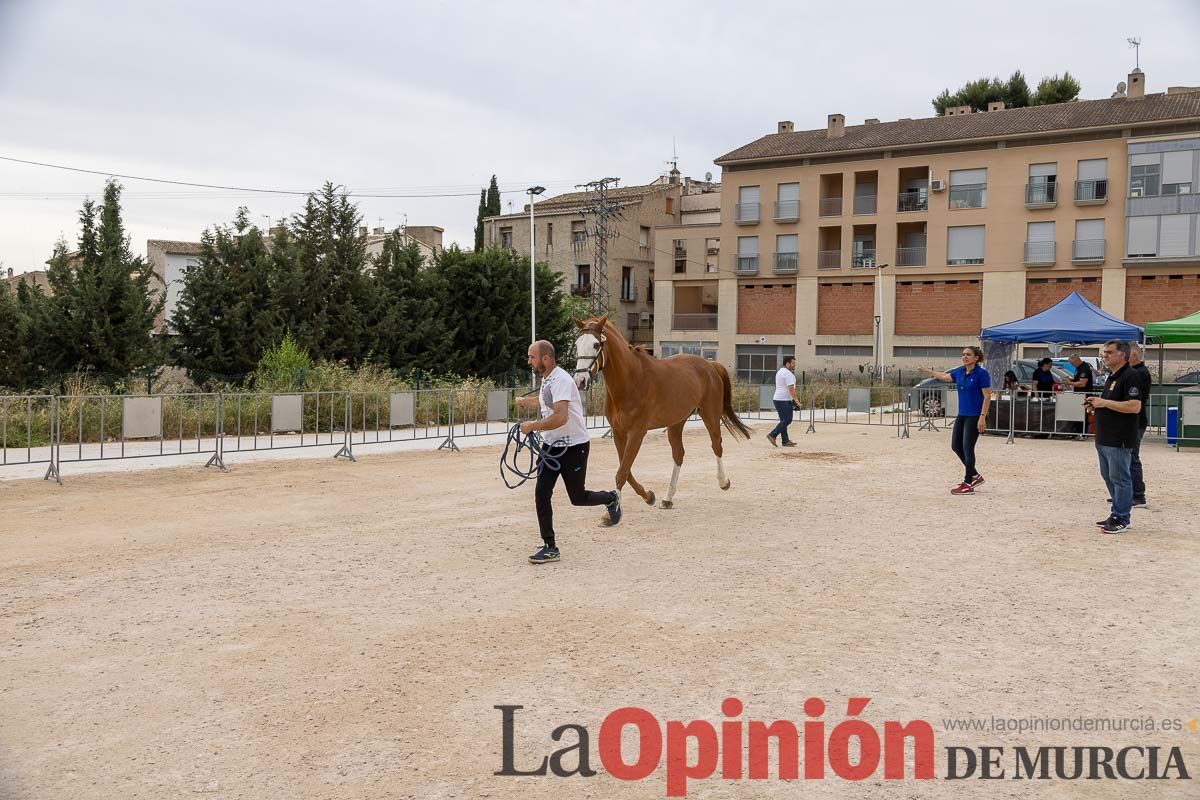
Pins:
x,y
597,361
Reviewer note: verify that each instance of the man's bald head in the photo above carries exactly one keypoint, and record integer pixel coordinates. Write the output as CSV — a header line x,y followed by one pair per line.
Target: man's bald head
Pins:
x,y
541,357
543,348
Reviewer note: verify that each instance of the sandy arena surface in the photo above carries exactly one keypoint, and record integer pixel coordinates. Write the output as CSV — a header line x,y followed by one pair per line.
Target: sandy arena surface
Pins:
x,y
321,629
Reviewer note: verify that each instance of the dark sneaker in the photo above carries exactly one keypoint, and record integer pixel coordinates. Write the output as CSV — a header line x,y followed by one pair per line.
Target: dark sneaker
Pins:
x,y
1139,502
1105,521
1114,526
545,555
789,444
772,440
978,479
963,488
614,510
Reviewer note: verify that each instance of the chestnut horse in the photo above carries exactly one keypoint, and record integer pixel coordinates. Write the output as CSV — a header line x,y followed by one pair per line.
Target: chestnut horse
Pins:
x,y
646,393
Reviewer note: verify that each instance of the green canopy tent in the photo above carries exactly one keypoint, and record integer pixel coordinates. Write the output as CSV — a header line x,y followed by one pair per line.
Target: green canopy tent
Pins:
x,y
1185,330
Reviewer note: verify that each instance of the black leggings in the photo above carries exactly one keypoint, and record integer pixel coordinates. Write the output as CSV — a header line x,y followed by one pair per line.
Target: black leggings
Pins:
x,y
966,433
573,468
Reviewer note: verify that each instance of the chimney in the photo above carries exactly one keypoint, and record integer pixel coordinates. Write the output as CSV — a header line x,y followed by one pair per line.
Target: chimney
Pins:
x,y
1136,87
379,231
837,126
786,126
956,111
996,105
362,230
871,121
674,176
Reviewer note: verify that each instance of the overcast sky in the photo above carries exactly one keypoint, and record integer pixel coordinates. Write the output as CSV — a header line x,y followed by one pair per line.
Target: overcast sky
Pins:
x,y
434,98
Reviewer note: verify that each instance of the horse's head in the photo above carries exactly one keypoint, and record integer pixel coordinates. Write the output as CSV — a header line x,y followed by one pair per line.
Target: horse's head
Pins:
x,y
589,351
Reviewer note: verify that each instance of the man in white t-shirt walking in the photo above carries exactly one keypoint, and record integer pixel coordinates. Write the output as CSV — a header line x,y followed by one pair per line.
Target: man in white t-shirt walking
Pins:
x,y
561,423
785,401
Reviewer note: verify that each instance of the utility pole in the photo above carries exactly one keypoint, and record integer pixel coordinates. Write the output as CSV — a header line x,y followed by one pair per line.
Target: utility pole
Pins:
x,y
602,212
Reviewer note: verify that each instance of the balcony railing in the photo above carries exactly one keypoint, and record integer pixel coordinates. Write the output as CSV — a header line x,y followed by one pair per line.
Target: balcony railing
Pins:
x,y
582,290
694,322
747,213
829,259
642,334
1162,204
787,210
910,256
913,200
1041,195
787,263
968,195
1039,252
830,207
628,294
1087,250
864,204
1091,191
863,258
747,265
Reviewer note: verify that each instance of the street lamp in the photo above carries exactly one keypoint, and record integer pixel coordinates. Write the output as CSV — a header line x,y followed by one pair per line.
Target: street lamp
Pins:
x,y
879,320
532,191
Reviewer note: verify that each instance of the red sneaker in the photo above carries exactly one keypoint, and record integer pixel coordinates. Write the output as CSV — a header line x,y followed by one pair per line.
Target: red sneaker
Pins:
x,y
963,488
978,479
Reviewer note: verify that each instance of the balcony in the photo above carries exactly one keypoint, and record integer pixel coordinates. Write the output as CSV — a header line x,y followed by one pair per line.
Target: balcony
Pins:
x,y
910,256
1087,250
642,334
829,259
694,322
747,265
1091,192
747,213
787,210
864,204
863,258
968,195
830,207
913,200
786,263
628,294
582,290
1157,205
1041,195
1039,253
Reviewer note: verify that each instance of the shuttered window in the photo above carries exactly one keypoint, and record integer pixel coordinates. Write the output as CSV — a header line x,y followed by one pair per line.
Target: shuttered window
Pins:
x,y
1089,229
1040,232
1174,234
1177,167
1093,169
1043,170
1142,238
747,246
964,244
966,177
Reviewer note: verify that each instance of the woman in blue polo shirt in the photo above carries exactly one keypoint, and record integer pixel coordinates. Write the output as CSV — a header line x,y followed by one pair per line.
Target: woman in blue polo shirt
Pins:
x,y
974,395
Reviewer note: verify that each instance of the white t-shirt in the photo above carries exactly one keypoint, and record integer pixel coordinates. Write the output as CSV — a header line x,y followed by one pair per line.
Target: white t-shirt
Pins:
x,y
558,386
783,379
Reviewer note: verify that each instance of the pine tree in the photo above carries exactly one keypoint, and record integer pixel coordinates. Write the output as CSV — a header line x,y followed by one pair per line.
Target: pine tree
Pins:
x,y
1054,89
1016,91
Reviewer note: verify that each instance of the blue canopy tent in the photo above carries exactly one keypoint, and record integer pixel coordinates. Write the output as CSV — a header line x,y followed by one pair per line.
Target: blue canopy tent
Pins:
x,y
1073,321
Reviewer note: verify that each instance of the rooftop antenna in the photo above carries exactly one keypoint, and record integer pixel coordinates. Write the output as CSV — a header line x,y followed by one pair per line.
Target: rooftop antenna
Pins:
x,y
1135,42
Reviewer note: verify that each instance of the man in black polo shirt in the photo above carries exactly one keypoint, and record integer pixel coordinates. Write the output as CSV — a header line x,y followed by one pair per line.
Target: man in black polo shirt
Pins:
x,y
1083,381
1135,459
1116,411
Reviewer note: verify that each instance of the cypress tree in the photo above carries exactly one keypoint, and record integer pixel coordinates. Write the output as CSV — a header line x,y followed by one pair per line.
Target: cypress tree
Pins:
x,y
479,215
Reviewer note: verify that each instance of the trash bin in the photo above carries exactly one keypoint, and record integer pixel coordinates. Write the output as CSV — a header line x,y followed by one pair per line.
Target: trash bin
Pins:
x,y
1172,424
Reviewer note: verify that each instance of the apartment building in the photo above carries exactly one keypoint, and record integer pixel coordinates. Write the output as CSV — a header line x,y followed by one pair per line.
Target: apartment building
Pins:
x,y
917,233
565,241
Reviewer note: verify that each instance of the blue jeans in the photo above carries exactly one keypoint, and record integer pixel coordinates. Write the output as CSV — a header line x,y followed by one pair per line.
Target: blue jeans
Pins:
x,y
1114,468
784,408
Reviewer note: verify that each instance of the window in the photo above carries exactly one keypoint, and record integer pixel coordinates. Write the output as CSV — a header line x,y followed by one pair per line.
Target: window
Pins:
x,y
1039,243
578,232
1093,179
583,275
747,253
1043,179
844,350
506,238
549,235
758,363
703,349
1089,240
626,283
643,236
926,352
670,205
964,245
1177,172
1145,173
1174,231
680,256
968,188
788,204
1141,240
712,249
747,207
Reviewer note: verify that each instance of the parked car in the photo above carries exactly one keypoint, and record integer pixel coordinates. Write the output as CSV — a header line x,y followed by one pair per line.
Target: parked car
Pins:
x,y
1098,368
931,402
1188,377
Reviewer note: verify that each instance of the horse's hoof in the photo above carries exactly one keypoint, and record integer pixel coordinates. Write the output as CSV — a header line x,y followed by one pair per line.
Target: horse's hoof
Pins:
x,y
668,504
650,499
725,486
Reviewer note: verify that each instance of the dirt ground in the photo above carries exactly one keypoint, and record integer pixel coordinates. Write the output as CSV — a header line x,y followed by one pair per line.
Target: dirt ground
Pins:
x,y
321,629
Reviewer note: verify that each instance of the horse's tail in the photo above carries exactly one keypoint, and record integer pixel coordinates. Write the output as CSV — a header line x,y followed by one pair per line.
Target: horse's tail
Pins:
x,y
729,417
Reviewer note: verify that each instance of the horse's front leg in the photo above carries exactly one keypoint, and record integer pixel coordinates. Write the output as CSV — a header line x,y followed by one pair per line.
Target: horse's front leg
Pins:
x,y
627,450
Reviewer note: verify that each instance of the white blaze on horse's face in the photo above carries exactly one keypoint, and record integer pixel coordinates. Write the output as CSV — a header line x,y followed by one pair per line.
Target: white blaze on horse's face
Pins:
x,y
587,354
